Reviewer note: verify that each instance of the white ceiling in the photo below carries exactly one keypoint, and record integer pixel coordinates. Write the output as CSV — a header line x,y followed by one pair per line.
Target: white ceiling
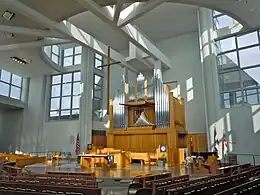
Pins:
x,y
168,20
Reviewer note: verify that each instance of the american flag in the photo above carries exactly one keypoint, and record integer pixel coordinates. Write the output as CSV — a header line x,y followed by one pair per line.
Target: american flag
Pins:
x,y
77,150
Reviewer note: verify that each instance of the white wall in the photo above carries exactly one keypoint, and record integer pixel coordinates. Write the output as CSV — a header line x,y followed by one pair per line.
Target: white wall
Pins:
x,y
184,53
58,135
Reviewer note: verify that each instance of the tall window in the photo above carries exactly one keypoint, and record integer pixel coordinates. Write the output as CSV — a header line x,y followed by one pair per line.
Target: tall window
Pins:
x,y
10,85
65,96
239,69
72,56
98,97
221,20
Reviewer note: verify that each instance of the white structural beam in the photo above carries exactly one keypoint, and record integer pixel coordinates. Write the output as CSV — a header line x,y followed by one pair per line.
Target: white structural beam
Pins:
x,y
117,9
139,11
29,31
67,29
138,39
39,43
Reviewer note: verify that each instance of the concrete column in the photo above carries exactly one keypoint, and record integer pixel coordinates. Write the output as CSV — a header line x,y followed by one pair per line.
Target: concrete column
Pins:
x,y
209,72
25,90
86,98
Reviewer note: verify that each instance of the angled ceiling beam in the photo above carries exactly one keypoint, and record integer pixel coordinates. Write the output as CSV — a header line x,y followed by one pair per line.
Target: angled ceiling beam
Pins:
x,y
139,11
118,7
29,31
138,39
68,30
39,43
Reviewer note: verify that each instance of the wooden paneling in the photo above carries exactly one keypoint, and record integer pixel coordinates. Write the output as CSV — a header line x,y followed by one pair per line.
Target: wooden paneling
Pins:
x,y
199,142
139,142
99,141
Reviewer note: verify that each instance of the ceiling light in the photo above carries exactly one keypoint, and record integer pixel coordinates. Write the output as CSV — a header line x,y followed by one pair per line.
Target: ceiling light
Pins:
x,y
8,15
20,60
9,35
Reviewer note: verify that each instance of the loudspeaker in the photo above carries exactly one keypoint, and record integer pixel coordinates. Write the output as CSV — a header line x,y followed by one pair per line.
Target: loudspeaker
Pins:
x,y
163,148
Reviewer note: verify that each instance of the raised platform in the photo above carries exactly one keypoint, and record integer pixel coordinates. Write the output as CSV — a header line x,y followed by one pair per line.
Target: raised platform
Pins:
x,y
122,175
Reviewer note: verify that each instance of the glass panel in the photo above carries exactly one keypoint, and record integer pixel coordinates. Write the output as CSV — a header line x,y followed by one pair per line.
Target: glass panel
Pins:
x,y
54,113
47,50
75,112
247,40
68,61
98,63
229,81
77,59
65,113
55,90
251,96
249,57
55,49
98,93
98,80
66,89
68,52
65,102
55,59
98,56
16,80
76,88
215,13
76,102
78,50
67,78
227,44
5,76
228,60
223,21
15,92
4,89
55,103
77,76
251,77
56,79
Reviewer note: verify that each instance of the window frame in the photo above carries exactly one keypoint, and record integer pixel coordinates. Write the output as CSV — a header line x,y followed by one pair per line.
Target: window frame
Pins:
x,y
72,82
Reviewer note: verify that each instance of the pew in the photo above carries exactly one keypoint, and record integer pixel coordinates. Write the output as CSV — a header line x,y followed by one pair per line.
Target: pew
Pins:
x,y
249,188
163,189
166,181
70,173
150,177
48,188
211,187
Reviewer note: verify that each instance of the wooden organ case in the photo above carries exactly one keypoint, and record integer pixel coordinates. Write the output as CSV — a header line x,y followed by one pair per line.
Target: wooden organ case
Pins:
x,y
145,116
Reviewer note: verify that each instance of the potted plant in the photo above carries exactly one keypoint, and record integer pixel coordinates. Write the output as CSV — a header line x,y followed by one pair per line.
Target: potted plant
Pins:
x,y
161,161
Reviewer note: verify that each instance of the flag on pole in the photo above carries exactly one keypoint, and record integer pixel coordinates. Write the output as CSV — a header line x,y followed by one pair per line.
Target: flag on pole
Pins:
x,y
77,149
225,144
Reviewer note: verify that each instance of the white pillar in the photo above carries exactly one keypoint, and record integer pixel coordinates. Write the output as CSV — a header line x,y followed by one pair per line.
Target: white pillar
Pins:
x,y
86,101
25,90
158,68
209,71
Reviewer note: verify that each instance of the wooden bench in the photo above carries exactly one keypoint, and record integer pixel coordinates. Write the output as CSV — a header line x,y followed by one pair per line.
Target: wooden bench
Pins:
x,y
150,177
211,187
56,181
166,181
249,188
163,189
11,192
48,188
70,173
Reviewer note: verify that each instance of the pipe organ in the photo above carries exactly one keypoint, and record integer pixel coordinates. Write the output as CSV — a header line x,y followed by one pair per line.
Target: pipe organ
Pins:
x,y
144,115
